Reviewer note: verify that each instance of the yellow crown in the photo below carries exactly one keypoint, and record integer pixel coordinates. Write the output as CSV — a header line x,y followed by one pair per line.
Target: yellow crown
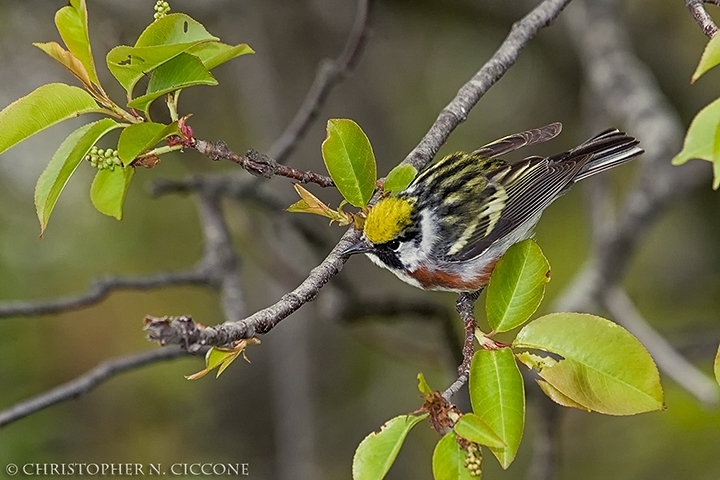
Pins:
x,y
387,219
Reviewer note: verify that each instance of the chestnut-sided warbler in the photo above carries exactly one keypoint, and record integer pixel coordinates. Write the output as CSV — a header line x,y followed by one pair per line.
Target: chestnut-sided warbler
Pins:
x,y
451,225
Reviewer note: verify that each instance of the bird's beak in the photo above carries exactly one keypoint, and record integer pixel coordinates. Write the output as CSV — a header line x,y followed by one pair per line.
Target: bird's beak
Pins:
x,y
363,246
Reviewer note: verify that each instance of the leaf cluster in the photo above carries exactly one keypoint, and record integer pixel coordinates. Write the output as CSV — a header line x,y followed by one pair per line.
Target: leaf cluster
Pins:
x,y
174,51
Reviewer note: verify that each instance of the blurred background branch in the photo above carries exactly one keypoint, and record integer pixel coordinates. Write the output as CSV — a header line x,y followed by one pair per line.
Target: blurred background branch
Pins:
x,y
627,91
87,382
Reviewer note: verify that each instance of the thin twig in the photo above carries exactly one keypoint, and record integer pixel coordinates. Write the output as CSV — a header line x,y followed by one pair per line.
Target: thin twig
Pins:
x,y
465,306
258,164
703,19
329,74
182,330
466,309
86,382
100,289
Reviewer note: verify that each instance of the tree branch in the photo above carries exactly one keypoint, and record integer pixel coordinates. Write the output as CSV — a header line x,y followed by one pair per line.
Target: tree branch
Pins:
x,y
182,330
465,306
86,382
100,289
705,21
258,164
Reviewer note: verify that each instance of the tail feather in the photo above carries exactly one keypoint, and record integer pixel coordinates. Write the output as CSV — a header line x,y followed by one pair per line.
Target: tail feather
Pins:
x,y
606,150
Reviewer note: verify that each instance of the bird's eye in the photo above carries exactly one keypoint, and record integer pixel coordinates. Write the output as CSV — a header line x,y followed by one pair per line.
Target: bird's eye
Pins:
x,y
394,244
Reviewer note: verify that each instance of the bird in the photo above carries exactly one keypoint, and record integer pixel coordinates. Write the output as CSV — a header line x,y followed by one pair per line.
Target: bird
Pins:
x,y
451,225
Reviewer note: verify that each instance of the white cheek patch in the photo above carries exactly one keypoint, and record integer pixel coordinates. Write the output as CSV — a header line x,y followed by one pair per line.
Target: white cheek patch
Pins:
x,y
398,273
376,260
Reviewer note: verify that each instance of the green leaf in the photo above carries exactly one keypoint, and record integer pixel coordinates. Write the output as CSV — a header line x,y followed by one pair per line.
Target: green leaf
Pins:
x,y
129,64
717,366
448,460
213,54
473,428
350,161
700,138
108,190
140,137
498,398
64,163
399,178
214,358
423,385
174,29
221,358
67,60
517,286
558,397
716,159
376,453
604,367
709,58
72,23
536,362
183,71
42,108
309,203
162,41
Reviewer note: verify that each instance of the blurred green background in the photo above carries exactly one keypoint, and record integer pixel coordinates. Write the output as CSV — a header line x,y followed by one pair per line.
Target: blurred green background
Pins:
x,y
317,386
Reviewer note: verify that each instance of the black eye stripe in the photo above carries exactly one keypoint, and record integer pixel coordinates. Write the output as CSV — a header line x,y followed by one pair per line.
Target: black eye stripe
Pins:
x,y
389,258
